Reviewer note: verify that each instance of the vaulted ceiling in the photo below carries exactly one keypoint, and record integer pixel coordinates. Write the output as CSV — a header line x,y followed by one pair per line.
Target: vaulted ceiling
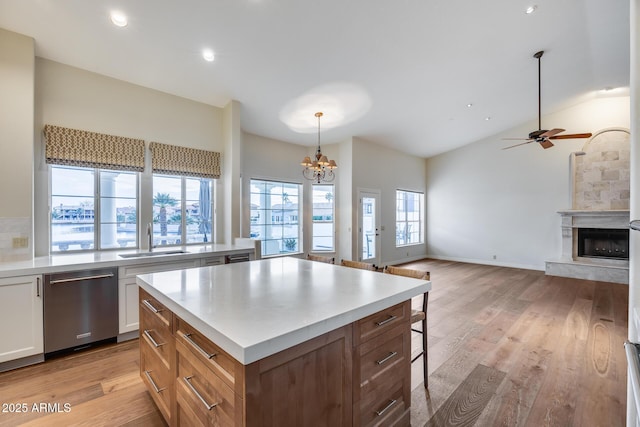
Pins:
x,y
400,73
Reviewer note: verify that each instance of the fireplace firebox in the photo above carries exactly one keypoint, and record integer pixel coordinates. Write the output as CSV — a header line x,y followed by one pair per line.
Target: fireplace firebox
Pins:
x,y
603,243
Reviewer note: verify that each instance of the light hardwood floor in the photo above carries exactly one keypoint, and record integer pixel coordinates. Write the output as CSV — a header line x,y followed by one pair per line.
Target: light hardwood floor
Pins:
x,y
506,347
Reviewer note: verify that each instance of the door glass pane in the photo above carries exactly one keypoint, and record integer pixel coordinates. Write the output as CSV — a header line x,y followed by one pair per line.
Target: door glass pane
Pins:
x,y
368,228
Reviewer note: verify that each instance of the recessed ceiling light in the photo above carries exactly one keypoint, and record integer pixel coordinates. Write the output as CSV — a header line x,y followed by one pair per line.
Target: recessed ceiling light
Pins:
x,y
531,9
469,105
119,19
487,118
208,55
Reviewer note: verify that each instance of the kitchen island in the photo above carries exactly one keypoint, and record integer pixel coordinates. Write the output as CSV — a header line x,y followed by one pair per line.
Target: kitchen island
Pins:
x,y
277,342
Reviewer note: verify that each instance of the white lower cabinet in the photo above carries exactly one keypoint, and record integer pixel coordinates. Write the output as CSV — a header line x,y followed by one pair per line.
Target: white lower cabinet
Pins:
x,y
21,317
128,290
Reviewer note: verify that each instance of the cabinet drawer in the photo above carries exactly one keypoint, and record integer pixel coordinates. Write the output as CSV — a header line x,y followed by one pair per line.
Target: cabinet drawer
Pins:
x,y
157,378
155,334
202,397
383,321
217,360
384,408
149,304
384,355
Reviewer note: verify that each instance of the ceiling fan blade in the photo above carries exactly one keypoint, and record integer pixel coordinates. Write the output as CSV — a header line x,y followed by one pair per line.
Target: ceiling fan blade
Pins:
x,y
517,139
551,132
546,144
517,145
572,136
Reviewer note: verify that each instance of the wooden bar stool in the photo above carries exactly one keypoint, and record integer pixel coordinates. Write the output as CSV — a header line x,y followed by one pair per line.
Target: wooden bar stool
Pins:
x,y
320,258
417,315
358,264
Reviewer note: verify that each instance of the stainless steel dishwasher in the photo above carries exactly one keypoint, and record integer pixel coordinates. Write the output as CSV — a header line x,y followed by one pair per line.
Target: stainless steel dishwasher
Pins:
x,y
80,308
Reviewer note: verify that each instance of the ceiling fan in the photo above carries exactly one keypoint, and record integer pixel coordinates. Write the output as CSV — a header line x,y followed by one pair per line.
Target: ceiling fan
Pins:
x,y
541,136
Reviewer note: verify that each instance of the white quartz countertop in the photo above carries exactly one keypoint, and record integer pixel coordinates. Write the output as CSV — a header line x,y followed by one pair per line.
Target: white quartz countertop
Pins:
x,y
100,259
258,308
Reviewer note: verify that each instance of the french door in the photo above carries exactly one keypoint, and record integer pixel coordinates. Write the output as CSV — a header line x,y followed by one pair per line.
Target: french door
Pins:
x,y
369,226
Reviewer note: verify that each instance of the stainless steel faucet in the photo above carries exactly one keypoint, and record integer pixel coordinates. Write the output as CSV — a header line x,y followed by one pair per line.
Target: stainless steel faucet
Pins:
x,y
150,236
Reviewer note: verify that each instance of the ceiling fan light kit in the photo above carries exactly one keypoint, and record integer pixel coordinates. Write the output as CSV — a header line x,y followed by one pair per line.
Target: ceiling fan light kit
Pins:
x,y
543,136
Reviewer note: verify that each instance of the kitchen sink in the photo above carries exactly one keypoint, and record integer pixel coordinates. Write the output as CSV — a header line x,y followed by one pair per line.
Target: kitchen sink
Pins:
x,y
146,254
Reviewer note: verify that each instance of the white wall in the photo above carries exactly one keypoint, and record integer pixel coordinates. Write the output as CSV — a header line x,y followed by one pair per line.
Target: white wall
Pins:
x,y
483,201
75,98
380,168
16,143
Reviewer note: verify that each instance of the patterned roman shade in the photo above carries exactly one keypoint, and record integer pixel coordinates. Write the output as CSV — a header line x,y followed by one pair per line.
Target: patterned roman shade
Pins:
x,y
175,160
73,147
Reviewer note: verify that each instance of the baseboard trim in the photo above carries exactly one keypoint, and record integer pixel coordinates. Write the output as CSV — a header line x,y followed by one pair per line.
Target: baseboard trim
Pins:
x,y
22,362
487,262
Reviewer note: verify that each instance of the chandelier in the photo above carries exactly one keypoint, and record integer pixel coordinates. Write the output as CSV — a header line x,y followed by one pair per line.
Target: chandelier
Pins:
x,y
321,169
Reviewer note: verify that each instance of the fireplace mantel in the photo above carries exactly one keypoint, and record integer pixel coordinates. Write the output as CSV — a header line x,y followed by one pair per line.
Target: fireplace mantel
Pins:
x,y
619,216
570,265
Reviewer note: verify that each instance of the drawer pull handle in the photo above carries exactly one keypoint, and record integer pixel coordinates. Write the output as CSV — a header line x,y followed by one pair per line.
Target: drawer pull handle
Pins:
x,y
151,307
197,347
386,408
386,359
384,322
155,387
155,344
193,389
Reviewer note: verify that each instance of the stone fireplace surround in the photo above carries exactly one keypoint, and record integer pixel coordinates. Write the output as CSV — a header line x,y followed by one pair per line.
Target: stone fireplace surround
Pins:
x,y
601,269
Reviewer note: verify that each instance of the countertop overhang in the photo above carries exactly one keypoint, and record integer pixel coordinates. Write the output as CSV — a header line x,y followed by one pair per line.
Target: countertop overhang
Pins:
x,y
258,308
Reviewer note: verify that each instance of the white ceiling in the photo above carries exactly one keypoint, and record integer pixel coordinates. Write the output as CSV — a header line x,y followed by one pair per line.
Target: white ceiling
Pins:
x,y
403,71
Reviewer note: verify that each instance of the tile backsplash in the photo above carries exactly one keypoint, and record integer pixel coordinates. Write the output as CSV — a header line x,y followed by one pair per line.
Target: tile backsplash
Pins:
x,y
15,239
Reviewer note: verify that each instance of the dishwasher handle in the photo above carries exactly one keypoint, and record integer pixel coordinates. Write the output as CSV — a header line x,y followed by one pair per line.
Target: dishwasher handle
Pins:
x,y
78,279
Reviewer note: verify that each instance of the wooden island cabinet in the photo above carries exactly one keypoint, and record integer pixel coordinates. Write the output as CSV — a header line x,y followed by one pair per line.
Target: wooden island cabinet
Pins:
x,y
355,373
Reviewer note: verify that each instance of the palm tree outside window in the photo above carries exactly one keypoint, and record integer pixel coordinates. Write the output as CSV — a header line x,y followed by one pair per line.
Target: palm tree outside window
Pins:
x,y
182,210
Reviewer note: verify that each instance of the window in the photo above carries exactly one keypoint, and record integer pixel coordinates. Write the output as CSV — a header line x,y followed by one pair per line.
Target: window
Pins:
x,y
182,208
275,209
409,218
93,208
323,219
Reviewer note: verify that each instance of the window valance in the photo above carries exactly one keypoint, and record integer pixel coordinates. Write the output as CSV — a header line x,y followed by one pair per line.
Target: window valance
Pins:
x,y
73,147
175,160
